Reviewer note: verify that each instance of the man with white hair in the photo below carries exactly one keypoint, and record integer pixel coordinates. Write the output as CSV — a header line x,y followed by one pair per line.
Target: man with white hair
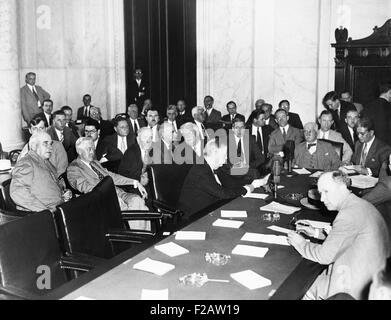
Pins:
x,y
314,153
355,248
190,151
86,172
202,186
198,114
34,184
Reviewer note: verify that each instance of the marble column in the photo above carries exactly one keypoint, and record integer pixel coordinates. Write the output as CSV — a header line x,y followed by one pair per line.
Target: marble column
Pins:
x,y
10,119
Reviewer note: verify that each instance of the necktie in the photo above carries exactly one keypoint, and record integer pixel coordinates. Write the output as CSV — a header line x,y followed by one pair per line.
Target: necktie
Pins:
x,y
205,135
86,113
35,94
310,145
259,140
217,178
363,155
96,170
61,136
239,150
284,134
135,129
123,145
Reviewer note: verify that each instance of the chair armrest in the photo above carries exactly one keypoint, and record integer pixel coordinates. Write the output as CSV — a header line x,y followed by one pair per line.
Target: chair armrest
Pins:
x,y
130,236
129,215
166,209
80,262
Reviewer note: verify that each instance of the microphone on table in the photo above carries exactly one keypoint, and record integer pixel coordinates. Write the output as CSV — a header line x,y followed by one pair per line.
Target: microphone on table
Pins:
x,y
289,153
276,175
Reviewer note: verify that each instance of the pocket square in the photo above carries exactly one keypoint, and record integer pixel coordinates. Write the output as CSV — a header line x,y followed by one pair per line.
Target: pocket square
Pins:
x,y
327,154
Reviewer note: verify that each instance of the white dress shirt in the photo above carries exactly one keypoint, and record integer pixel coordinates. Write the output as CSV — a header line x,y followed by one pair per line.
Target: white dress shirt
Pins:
x,y
286,129
155,134
48,116
200,128
34,89
237,143
312,149
173,124
60,135
135,124
323,135
351,131
369,144
122,144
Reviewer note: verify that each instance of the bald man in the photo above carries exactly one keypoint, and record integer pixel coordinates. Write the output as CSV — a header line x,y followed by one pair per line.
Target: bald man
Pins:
x,y
315,154
355,249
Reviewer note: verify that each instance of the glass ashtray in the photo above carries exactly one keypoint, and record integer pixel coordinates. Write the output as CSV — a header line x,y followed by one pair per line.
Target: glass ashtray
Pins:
x,y
294,196
217,259
271,217
194,279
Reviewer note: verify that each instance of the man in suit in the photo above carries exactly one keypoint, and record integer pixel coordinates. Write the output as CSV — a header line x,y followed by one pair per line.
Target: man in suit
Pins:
x,y
58,157
370,152
46,114
258,106
259,103
34,184
69,122
270,118
138,156
338,108
315,154
199,119
172,114
355,248
32,97
168,142
106,127
379,111
202,187
212,116
283,133
261,131
84,111
60,132
138,88
325,133
232,114
381,283
135,123
346,96
190,151
152,118
294,118
348,129
184,115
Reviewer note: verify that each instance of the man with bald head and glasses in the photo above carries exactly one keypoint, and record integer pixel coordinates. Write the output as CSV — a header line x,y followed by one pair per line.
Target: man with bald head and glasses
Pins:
x,y
34,184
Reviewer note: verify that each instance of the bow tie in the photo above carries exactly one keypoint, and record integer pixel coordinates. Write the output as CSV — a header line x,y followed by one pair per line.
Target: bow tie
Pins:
x,y
310,145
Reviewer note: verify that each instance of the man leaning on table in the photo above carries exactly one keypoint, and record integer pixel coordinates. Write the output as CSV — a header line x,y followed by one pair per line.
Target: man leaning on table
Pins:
x,y
355,249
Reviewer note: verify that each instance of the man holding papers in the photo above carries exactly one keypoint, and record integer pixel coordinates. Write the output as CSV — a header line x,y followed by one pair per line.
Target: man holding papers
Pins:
x,y
354,250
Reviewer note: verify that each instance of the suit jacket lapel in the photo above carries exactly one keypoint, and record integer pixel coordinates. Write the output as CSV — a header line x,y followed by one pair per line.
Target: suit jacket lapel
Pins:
x,y
371,151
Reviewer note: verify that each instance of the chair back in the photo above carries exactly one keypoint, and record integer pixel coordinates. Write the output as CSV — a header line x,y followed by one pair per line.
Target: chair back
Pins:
x,y
167,181
8,203
84,222
27,245
337,146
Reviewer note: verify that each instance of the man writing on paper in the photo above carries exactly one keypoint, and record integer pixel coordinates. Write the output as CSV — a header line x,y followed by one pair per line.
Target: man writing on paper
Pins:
x,y
354,250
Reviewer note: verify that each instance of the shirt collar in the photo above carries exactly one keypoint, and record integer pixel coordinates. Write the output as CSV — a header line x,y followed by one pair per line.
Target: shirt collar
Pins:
x,y
286,128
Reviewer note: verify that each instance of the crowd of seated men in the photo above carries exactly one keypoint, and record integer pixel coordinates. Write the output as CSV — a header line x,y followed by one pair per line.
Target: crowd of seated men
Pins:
x,y
230,157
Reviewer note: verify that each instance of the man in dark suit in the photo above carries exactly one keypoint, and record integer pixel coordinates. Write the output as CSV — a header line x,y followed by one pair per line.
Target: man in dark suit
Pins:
x,y
338,107
69,122
138,88
212,116
84,111
202,187
348,130
46,115
269,117
232,114
184,115
106,127
379,111
135,123
261,131
370,152
60,132
92,130
294,118
32,97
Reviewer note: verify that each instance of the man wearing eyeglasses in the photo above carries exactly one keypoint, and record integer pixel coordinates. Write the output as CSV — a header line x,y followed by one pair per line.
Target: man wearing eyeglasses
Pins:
x,y
370,152
138,88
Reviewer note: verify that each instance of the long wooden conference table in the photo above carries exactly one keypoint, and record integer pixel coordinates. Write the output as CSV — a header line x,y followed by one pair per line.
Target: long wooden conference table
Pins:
x,y
288,272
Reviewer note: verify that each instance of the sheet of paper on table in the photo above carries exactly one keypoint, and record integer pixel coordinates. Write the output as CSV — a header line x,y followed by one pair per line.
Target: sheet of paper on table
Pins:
x,y
190,235
154,294
281,208
279,229
302,171
171,249
319,224
317,174
233,214
228,223
363,182
250,251
251,279
84,298
348,169
153,266
265,238
261,196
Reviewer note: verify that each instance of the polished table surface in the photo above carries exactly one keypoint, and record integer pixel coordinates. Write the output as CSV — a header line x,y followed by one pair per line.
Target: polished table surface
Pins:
x,y
124,282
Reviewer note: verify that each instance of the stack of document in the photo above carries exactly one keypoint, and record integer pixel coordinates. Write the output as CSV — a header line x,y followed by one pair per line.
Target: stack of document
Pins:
x,y
363,182
261,196
348,169
317,174
171,249
281,208
228,223
233,214
251,279
279,229
302,171
266,238
190,235
320,225
154,266
250,251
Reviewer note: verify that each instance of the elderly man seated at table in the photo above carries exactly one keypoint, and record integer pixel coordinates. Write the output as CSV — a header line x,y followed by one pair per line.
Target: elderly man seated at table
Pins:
x,y
315,154
85,173
325,133
34,184
370,152
58,157
355,248
190,151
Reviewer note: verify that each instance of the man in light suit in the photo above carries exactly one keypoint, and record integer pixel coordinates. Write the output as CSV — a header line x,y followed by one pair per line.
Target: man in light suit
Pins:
x,y
285,132
212,116
370,152
325,133
354,250
34,184
315,154
32,97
